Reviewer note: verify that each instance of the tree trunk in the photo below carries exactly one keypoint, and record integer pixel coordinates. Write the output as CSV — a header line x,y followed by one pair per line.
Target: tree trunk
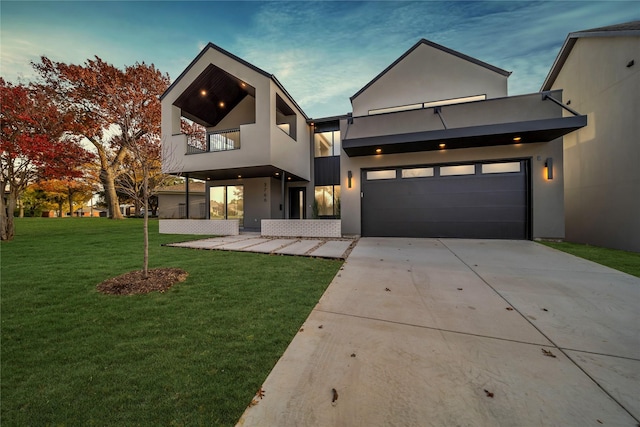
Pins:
x,y
145,198
107,178
70,200
7,229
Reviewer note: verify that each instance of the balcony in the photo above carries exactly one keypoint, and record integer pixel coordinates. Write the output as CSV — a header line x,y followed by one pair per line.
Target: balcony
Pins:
x,y
223,140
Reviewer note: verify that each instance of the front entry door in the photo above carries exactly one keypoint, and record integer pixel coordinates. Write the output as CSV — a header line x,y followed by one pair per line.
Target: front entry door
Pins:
x,y
297,201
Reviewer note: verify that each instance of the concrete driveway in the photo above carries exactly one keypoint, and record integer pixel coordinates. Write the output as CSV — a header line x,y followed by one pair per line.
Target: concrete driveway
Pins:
x,y
448,332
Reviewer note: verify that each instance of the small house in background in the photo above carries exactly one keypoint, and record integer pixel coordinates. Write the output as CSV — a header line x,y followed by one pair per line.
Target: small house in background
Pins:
x,y
171,201
599,72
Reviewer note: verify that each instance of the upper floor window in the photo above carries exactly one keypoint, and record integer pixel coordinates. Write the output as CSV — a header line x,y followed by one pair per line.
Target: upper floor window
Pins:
x,y
286,118
326,143
430,104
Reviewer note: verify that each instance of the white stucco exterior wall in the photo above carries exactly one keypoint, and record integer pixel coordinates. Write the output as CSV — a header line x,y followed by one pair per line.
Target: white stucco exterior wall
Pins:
x,y
601,161
429,74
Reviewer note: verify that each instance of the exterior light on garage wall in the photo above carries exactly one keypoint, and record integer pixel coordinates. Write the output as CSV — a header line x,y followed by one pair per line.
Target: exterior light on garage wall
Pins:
x,y
517,139
548,164
349,178
442,146
378,150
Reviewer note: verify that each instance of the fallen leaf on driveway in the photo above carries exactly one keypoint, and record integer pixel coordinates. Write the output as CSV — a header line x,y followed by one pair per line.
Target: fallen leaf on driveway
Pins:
x,y
488,393
509,308
335,395
387,289
548,353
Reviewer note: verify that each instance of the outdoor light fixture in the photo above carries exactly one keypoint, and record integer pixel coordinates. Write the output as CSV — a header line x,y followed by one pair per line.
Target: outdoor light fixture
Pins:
x,y
349,176
378,150
548,164
221,104
203,92
442,145
517,138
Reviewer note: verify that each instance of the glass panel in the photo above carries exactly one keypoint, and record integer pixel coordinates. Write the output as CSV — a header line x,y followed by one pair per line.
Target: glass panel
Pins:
x,y
216,203
336,143
457,170
386,174
324,200
417,172
323,144
395,109
235,202
336,200
501,167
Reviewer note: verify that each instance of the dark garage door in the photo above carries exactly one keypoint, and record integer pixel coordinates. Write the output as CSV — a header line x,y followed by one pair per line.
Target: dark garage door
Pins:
x,y
478,201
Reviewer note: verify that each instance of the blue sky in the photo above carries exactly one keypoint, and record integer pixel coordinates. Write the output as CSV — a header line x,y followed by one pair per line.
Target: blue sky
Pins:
x,y
322,52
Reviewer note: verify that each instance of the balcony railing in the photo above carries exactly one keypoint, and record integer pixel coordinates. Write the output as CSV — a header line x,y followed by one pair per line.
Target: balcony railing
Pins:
x,y
223,140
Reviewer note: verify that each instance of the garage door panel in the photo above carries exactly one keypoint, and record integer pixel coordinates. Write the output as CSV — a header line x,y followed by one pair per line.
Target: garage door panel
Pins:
x,y
469,206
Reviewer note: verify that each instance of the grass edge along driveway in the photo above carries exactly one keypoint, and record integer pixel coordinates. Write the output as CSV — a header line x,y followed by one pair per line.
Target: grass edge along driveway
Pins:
x,y
194,355
625,261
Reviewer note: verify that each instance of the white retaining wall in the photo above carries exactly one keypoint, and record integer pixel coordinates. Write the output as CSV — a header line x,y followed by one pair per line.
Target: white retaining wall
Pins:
x,y
301,227
218,227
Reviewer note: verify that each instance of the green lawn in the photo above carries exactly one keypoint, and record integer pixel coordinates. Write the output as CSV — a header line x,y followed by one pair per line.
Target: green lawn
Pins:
x,y
628,262
194,355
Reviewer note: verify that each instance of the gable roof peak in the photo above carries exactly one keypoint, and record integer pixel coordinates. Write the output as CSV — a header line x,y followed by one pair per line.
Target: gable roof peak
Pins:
x,y
445,49
631,28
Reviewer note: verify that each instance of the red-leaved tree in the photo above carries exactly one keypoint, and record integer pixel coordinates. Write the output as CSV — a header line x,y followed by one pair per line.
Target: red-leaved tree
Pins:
x,y
34,145
113,109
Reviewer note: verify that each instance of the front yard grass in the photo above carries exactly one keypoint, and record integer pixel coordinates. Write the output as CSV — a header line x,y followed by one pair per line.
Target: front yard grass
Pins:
x,y
194,355
627,262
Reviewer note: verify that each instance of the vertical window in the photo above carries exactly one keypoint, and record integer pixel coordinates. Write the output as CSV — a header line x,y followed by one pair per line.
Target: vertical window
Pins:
x,y
327,201
227,202
216,203
326,144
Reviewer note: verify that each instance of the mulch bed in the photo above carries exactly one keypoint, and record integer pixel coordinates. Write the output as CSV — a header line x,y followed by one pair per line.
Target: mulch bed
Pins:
x,y
159,280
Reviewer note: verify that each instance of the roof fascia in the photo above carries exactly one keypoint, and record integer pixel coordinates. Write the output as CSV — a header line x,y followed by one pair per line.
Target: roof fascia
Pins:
x,y
569,42
436,46
201,54
293,101
240,60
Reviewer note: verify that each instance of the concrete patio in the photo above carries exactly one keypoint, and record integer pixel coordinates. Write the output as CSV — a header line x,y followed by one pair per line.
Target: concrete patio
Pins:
x,y
439,332
252,242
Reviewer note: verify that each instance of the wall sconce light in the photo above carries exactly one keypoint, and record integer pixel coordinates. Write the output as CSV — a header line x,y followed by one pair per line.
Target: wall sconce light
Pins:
x,y
349,177
548,164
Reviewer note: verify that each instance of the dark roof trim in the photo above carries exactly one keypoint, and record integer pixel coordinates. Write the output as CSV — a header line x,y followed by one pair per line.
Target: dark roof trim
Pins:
x,y
201,54
238,59
468,137
437,46
328,119
627,29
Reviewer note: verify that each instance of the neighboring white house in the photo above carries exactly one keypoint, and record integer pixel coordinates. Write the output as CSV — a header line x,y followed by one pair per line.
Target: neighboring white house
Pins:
x,y
599,71
434,147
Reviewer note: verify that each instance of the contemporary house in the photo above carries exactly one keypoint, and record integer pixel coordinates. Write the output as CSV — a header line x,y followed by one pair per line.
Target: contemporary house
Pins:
x,y
433,147
599,71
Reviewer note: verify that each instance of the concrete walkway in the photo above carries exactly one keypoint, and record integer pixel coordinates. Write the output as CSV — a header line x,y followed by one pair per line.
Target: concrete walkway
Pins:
x,y
444,332
253,242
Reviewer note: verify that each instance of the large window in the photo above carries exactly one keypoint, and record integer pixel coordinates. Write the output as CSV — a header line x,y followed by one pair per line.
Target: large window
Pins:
x,y
327,201
326,143
227,202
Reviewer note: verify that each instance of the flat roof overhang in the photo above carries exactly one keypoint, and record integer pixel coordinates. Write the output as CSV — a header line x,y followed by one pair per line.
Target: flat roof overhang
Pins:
x,y
532,131
267,171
